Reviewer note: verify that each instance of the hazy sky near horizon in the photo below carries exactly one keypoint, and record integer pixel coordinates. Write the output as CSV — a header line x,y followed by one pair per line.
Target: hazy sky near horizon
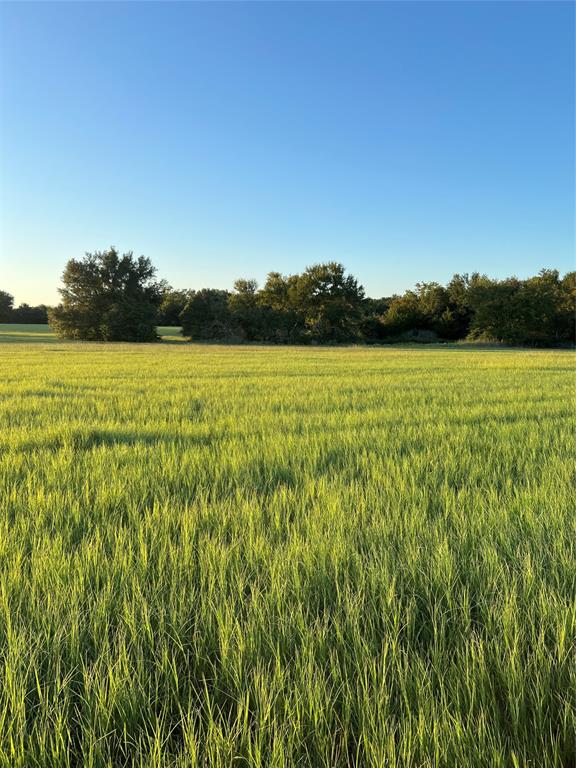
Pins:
x,y
407,140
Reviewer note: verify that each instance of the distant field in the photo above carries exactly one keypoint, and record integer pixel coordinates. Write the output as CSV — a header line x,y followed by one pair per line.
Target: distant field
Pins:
x,y
224,556
24,333
170,333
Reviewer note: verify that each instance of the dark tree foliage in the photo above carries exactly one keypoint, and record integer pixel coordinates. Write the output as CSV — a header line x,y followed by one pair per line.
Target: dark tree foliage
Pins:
x,y
207,315
566,316
23,313
322,304
536,312
27,314
252,321
404,315
283,319
6,307
173,302
432,311
108,297
372,312
331,302
459,306
325,305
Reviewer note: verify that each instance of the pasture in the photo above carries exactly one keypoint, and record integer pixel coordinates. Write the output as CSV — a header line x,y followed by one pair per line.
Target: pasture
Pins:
x,y
277,557
18,333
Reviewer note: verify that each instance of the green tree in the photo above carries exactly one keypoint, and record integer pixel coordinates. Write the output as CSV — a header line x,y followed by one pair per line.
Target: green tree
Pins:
x,y
566,311
283,319
329,300
6,306
404,314
207,316
459,307
171,306
492,302
538,303
108,297
434,303
532,311
24,313
247,312
431,311
372,317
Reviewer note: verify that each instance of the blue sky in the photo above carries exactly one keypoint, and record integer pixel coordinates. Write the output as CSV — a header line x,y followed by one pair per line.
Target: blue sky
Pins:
x,y
407,140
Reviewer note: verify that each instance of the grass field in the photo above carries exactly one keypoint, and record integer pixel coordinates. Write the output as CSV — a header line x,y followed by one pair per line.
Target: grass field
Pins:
x,y
17,333
218,556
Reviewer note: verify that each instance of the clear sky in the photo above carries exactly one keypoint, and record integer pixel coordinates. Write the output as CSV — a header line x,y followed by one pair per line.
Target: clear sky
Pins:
x,y
407,140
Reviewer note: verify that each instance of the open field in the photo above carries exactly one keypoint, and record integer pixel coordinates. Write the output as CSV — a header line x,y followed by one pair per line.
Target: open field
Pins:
x,y
219,556
17,333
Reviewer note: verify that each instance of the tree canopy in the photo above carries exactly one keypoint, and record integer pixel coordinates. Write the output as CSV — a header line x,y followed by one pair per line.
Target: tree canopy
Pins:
x,y
207,315
6,306
536,311
171,306
111,297
24,313
324,304
108,297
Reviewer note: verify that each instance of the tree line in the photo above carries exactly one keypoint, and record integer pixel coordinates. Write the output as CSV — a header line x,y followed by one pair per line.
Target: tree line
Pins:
x,y
323,304
111,297
24,313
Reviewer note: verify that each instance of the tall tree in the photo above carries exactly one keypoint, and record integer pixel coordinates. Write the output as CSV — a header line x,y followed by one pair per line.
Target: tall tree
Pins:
x,y
283,318
566,316
371,321
6,306
537,306
27,314
248,313
459,306
207,315
404,314
108,297
171,306
330,301
492,302
515,311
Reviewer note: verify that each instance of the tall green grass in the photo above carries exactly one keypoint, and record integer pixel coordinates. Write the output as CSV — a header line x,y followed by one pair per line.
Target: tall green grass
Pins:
x,y
286,557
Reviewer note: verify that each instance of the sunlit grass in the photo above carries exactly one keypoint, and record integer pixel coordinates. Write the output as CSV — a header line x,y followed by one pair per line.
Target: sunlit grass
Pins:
x,y
28,332
218,556
170,333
